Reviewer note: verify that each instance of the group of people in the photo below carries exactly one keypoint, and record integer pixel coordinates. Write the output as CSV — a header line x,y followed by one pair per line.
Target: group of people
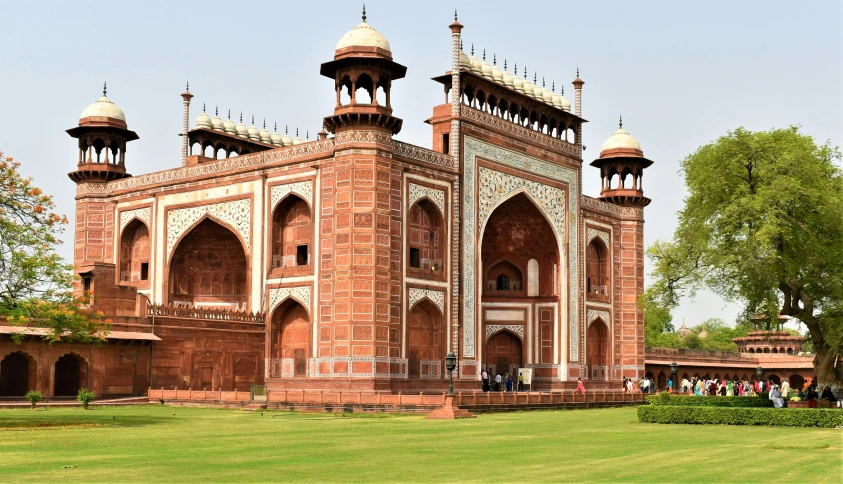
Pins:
x,y
501,382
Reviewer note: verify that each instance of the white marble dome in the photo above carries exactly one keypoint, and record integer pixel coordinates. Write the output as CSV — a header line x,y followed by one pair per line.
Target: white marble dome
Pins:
x,y
203,120
621,139
363,36
104,108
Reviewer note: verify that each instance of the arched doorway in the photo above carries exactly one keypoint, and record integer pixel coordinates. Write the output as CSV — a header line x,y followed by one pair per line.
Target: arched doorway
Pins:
x,y
209,269
290,340
597,268
17,375
134,255
503,351
662,382
796,382
597,350
70,375
291,233
517,240
425,341
425,226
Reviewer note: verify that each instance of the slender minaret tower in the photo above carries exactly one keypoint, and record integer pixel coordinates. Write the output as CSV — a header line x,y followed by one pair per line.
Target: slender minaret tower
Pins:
x,y
185,125
454,138
578,93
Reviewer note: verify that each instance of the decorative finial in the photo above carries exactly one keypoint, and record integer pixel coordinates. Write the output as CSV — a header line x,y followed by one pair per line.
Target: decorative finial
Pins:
x,y
535,78
578,71
562,89
504,64
484,54
217,111
494,59
241,117
455,15
364,12
542,82
307,136
297,132
516,68
187,86
553,86
203,107
286,129
276,126
253,120
264,123
620,122
229,114
103,89
472,49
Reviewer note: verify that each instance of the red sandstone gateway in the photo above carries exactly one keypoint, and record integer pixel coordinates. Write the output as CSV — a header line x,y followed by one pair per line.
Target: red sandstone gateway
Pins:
x,y
354,260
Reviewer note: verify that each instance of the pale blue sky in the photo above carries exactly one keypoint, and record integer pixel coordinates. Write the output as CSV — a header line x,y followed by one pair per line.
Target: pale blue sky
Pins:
x,y
680,73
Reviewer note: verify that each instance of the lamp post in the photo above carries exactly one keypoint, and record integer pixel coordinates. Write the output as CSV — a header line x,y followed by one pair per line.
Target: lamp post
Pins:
x,y
673,369
450,364
759,371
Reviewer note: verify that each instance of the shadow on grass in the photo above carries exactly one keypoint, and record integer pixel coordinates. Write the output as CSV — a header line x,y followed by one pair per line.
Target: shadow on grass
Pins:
x,y
45,420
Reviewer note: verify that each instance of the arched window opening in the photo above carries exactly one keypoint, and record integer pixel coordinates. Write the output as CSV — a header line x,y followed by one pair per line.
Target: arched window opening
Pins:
x,y
290,345
752,350
790,351
17,375
134,255
597,350
597,268
364,89
207,256
344,91
766,350
533,280
426,343
504,277
426,242
380,95
292,233
71,374
775,350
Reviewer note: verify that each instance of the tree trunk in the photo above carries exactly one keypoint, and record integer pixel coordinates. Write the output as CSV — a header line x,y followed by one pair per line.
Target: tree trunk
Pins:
x,y
829,370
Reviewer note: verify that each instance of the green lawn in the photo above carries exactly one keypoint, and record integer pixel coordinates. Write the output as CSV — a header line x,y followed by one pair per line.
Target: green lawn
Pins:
x,y
174,444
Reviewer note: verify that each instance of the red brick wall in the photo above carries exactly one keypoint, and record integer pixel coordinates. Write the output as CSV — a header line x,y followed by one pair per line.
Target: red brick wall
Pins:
x,y
94,238
291,227
134,251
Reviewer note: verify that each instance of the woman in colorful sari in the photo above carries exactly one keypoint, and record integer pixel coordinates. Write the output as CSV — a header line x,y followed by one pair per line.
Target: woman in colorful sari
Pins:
x,y
730,391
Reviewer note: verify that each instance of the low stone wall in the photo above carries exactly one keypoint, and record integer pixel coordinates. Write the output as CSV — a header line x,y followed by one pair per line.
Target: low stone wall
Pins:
x,y
375,401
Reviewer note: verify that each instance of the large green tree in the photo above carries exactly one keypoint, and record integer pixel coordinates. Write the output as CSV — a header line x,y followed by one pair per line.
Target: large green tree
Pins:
x,y
35,282
762,225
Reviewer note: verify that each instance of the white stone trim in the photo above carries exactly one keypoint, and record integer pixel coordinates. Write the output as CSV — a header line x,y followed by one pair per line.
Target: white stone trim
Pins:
x,y
303,189
236,214
436,297
417,192
142,214
591,233
515,328
280,294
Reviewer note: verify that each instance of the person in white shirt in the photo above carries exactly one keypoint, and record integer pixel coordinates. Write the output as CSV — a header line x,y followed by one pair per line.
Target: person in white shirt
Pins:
x,y
785,388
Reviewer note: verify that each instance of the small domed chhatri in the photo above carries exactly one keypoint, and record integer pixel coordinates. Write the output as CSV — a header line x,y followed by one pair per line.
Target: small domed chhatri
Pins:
x,y
621,139
203,120
102,110
622,165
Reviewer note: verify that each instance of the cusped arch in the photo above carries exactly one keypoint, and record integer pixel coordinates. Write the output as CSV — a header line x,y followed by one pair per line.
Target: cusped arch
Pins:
x,y
299,294
504,329
217,221
557,225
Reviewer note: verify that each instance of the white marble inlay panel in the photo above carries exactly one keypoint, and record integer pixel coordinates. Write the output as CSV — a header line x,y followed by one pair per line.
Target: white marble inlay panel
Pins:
x,y
139,213
278,295
303,189
417,192
437,297
591,233
504,315
236,214
515,328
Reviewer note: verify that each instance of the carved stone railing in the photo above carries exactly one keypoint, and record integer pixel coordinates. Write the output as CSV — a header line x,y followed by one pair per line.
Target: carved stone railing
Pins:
x,y
204,313
422,154
518,131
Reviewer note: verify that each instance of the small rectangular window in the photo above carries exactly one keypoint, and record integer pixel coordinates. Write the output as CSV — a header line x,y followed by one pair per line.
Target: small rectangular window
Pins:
x,y
86,283
415,260
144,271
446,145
301,255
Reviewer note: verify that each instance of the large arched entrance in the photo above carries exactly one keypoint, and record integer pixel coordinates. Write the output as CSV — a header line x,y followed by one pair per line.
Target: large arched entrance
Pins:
x,y
17,375
209,269
291,233
134,255
70,375
290,345
520,261
597,350
503,351
426,341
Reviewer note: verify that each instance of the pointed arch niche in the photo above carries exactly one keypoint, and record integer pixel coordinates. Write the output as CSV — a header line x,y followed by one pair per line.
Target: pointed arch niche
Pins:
x,y
597,270
426,340
290,340
597,350
292,234
134,254
209,268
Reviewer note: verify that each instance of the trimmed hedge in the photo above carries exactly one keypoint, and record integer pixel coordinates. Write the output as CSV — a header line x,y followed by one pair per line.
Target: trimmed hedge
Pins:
x,y
665,398
777,417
